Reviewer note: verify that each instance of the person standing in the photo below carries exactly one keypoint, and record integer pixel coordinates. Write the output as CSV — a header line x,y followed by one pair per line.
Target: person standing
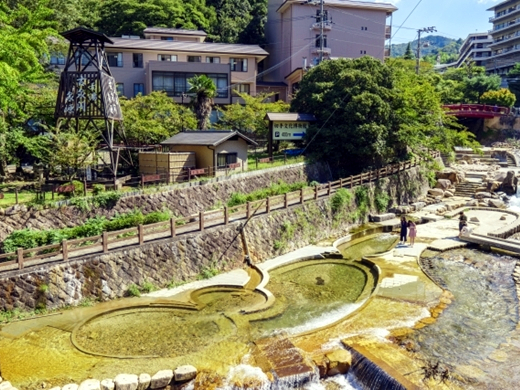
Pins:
x,y
412,231
404,230
463,221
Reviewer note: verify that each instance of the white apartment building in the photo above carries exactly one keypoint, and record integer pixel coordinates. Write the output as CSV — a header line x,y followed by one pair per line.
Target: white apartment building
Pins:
x,y
505,48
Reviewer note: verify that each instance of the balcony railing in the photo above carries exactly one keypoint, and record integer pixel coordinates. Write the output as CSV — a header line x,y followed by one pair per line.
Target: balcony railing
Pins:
x,y
504,14
326,51
387,53
510,37
388,32
512,23
327,26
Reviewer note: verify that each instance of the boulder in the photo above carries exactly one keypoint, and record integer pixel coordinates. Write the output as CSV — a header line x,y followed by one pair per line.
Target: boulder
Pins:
x,y
499,175
400,210
90,384
474,219
70,386
448,194
185,373
340,361
436,192
503,217
451,174
144,381
472,203
492,186
443,184
482,195
161,379
382,217
418,205
510,183
497,203
107,384
126,382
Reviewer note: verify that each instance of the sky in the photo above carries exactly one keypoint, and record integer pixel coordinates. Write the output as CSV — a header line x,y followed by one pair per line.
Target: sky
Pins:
x,y
452,18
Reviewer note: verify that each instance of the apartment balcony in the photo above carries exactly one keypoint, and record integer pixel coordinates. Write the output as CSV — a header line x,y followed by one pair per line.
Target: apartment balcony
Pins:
x,y
326,51
512,24
387,53
498,42
511,11
388,32
327,26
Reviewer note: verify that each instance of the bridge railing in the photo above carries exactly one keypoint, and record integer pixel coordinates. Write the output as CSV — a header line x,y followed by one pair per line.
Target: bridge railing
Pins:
x,y
107,241
477,108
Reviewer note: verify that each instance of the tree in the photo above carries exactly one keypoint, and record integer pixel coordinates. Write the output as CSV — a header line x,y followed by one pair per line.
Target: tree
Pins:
x,y
513,81
203,90
408,54
503,97
475,86
150,119
249,116
370,114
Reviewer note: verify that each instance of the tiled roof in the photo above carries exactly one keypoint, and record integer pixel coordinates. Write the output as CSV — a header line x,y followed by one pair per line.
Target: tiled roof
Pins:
x,y
204,138
177,31
289,116
182,46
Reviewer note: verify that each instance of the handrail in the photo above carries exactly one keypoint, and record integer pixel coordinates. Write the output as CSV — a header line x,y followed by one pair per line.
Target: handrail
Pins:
x,y
184,225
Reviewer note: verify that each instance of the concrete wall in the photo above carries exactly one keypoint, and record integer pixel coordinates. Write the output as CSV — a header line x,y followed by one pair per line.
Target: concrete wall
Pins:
x,y
108,276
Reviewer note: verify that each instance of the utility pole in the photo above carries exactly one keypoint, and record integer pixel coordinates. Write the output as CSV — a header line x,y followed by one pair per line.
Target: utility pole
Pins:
x,y
322,25
427,30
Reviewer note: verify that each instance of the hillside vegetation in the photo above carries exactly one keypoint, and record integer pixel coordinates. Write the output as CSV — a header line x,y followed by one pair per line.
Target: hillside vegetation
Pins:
x,y
431,47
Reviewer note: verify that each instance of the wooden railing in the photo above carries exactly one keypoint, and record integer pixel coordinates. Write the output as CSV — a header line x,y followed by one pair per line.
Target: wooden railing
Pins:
x,y
141,234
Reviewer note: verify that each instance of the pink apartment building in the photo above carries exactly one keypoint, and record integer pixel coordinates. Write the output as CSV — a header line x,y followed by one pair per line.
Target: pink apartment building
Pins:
x,y
167,58
352,29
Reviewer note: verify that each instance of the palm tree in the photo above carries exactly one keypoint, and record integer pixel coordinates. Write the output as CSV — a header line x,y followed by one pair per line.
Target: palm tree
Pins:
x,y
203,90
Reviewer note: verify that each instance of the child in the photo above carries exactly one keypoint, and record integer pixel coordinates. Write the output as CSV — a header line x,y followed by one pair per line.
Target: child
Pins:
x,y
412,232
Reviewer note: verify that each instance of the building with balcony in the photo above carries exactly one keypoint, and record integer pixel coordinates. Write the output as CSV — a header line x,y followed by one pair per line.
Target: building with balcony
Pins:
x,y
505,48
167,58
475,48
351,29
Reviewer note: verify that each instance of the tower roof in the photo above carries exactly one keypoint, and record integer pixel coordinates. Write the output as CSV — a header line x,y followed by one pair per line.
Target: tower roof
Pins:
x,y
82,34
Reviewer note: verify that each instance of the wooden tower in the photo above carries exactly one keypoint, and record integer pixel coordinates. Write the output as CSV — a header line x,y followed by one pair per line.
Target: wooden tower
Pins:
x,y
87,95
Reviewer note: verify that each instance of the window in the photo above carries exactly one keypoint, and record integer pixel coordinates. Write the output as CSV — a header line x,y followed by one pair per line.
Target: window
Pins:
x,y
176,83
137,60
58,59
238,64
115,59
167,39
166,57
213,60
224,159
194,59
85,57
318,43
120,89
325,14
245,88
362,52
364,28
138,89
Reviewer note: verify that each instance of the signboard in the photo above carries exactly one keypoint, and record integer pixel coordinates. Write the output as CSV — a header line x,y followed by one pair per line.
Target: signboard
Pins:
x,y
289,131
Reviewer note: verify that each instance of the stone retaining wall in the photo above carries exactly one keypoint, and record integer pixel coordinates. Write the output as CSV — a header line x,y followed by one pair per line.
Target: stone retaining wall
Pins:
x,y
107,276
183,200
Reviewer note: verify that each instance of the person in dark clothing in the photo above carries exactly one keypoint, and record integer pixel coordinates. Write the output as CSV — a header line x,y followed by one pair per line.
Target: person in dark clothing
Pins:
x,y
404,230
463,221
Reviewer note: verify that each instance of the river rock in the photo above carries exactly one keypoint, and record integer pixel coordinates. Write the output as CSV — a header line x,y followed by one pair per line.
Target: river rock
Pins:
x,y
483,195
107,384
510,183
161,379
436,192
126,382
419,205
144,381
340,361
472,203
185,373
90,384
497,203
443,184
70,386
448,194
400,210
451,174
382,217
474,219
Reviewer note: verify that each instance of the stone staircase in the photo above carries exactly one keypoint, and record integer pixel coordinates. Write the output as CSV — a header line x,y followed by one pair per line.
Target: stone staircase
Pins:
x,y
467,188
466,153
445,159
510,162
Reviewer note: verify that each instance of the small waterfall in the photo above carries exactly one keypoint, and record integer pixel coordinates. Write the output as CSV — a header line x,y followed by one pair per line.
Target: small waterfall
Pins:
x,y
514,201
366,375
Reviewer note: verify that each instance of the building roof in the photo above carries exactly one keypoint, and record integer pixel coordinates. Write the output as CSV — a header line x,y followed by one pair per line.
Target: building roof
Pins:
x,y
502,3
182,46
344,3
174,31
289,116
82,34
205,138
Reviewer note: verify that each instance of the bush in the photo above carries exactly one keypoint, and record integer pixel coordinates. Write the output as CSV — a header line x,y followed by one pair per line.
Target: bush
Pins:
x,y
125,221
25,239
133,291
106,199
340,200
157,216
148,287
98,189
362,200
78,188
381,200
280,188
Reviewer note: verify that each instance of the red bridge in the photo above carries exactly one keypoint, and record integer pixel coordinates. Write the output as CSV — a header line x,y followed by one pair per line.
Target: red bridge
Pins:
x,y
475,110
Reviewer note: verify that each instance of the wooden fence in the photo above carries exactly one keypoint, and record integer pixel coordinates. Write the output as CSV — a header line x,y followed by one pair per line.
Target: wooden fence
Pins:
x,y
71,249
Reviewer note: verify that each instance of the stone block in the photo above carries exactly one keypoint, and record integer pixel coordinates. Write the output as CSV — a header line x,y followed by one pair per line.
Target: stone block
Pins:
x,y
144,381
435,192
90,384
472,203
70,386
161,379
448,194
497,203
443,184
126,382
185,373
107,384
383,217
483,195
419,205
340,361
474,219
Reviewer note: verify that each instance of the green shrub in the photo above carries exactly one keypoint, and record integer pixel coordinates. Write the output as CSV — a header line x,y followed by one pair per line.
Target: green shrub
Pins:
x,y
156,216
208,272
362,200
106,199
125,221
78,188
340,200
280,188
43,288
25,238
148,287
237,198
133,291
98,189
381,200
